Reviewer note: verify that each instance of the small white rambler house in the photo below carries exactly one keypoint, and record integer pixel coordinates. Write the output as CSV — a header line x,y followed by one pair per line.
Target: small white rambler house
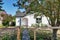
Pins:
x,y
29,19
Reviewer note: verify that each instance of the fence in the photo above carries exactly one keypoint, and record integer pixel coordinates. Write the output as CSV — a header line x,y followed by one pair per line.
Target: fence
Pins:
x,y
34,31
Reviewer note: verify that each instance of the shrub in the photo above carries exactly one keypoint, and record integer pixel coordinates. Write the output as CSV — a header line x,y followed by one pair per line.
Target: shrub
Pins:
x,y
6,37
5,23
39,25
1,26
40,35
34,25
43,36
9,37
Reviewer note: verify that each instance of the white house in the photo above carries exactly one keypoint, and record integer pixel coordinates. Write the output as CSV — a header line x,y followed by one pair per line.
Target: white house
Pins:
x,y
32,20
29,20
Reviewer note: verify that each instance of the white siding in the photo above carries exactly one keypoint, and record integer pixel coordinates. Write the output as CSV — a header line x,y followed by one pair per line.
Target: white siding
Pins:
x,y
31,19
17,21
44,20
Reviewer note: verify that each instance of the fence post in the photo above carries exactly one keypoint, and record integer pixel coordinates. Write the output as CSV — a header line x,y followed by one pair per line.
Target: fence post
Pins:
x,y
18,33
34,34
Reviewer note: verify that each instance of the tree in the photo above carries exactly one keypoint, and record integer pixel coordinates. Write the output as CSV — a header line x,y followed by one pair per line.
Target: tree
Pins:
x,y
1,3
50,8
6,19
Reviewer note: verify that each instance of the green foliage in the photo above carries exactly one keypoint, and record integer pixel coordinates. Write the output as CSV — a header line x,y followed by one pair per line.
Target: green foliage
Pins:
x,y
50,8
9,37
39,25
7,18
34,25
6,37
6,23
44,36
44,25
58,38
14,17
1,3
40,35
1,26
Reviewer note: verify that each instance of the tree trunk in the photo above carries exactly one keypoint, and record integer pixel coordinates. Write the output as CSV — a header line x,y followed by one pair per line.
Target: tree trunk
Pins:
x,y
34,34
54,34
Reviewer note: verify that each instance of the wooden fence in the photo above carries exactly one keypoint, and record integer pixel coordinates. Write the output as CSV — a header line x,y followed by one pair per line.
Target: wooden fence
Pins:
x,y
3,30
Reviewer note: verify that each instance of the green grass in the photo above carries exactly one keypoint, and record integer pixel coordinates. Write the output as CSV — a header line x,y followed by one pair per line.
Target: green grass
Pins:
x,y
1,26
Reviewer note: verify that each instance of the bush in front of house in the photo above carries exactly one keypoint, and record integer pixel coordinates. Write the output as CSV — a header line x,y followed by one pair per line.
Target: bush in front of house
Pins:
x,y
40,35
1,26
9,37
5,23
34,25
43,36
6,37
39,25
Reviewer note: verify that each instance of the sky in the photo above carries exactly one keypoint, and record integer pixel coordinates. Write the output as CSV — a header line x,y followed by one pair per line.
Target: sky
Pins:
x,y
9,8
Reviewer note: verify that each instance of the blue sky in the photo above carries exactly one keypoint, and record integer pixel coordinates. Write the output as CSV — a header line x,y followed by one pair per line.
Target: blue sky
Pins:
x,y
9,8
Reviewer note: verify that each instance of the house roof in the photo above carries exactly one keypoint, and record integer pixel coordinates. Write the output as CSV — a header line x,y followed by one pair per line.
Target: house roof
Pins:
x,y
20,14
3,12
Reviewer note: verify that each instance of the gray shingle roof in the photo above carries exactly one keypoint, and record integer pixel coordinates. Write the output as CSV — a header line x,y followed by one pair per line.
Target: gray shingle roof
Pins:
x,y
20,14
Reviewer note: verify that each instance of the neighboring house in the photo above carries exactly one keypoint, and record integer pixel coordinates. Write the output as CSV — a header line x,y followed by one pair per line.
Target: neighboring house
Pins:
x,y
1,18
29,20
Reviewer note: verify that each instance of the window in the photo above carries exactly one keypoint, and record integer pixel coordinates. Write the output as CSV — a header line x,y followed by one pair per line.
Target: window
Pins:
x,y
38,20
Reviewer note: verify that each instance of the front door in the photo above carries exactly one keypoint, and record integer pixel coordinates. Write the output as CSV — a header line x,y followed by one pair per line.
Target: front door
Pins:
x,y
24,21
